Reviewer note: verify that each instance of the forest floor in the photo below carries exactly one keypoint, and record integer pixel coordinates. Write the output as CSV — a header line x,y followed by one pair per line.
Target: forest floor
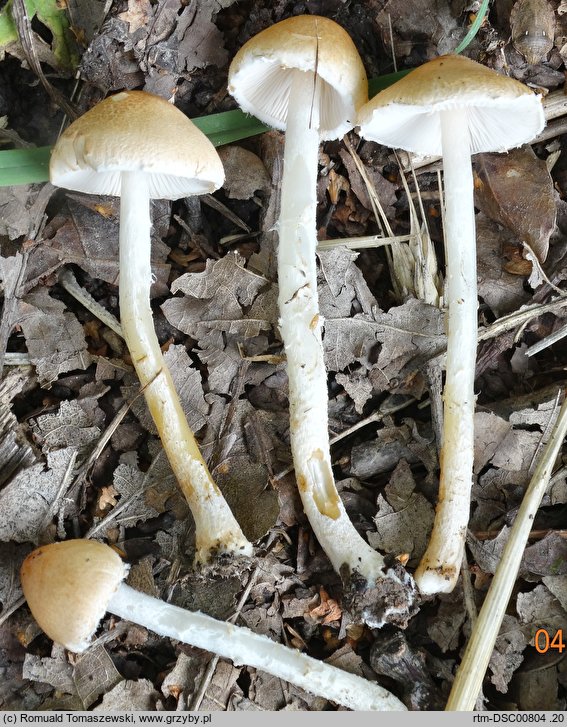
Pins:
x,y
80,457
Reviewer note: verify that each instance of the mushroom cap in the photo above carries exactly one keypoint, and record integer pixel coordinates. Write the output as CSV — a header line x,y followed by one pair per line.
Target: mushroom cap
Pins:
x,y
135,131
503,113
260,74
68,586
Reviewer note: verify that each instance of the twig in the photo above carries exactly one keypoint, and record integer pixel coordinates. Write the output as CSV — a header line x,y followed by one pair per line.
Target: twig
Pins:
x,y
364,242
470,673
68,281
513,320
547,341
533,258
23,25
374,417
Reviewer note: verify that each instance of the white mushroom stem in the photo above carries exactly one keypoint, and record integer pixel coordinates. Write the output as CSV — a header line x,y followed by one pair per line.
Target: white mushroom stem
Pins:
x,y
439,567
245,647
217,531
300,326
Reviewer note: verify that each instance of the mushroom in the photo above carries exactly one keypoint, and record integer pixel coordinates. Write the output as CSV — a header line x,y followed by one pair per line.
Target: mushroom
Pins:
x,y
304,75
139,147
455,107
70,585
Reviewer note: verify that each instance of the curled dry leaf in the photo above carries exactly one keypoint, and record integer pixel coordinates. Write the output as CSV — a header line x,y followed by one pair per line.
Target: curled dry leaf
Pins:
x,y
533,27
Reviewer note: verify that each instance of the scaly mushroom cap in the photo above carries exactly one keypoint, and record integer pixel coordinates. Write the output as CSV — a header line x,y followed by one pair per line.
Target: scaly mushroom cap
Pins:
x,y
134,131
260,74
68,586
503,113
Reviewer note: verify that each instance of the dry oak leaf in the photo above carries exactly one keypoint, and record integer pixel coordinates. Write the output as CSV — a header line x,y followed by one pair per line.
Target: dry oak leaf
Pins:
x,y
129,696
54,670
217,299
538,609
327,611
94,675
245,173
500,290
188,384
410,334
508,653
54,337
405,517
88,237
27,499
71,425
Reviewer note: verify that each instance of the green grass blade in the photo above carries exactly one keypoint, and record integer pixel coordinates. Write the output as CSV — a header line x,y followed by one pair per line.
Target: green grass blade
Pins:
x,y
24,166
473,30
379,83
229,126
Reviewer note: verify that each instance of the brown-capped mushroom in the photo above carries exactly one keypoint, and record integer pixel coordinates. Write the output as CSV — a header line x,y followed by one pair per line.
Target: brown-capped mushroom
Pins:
x,y
455,107
139,147
304,75
69,586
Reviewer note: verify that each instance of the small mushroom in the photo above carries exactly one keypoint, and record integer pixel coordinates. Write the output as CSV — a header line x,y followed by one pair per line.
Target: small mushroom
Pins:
x,y
139,147
305,76
455,107
69,586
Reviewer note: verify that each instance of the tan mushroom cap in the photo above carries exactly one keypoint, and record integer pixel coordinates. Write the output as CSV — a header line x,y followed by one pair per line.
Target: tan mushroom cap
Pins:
x,y
135,131
68,586
260,75
502,112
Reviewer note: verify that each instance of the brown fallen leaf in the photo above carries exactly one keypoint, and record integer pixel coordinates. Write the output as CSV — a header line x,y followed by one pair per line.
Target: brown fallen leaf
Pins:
x,y
129,696
244,172
516,190
54,337
404,517
500,287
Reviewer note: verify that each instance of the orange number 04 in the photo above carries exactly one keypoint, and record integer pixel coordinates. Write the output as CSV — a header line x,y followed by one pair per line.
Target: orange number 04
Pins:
x,y
544,641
